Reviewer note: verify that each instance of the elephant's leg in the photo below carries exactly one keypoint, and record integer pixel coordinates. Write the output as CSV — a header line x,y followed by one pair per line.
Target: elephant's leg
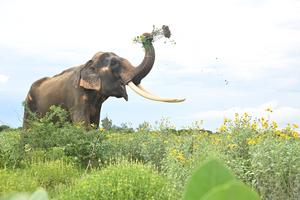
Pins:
x,y
96,110
81,114
95,116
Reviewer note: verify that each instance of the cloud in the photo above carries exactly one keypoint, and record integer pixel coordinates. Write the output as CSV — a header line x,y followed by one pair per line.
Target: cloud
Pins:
x,y
3,78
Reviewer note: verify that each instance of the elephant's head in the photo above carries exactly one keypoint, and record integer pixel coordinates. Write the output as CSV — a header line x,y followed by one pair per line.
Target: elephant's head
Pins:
x,y
109,74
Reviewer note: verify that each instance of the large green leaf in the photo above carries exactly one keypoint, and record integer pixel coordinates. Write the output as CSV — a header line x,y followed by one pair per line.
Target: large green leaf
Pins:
x,y
231,191
210,175
40,194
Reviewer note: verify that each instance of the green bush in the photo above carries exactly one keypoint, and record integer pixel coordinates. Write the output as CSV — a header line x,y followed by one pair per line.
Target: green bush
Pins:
x,y
52,154
10,153
141,146
122,181
53,133
276,168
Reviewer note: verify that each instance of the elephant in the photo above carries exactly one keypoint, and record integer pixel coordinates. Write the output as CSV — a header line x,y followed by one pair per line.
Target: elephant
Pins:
x,y
82,90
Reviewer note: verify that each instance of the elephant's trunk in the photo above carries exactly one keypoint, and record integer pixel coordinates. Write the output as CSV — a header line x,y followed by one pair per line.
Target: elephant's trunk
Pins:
x,y
136,74
145,67
134,78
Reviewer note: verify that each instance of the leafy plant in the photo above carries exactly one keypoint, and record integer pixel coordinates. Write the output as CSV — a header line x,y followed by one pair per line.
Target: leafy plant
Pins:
x,y
10,153
40,194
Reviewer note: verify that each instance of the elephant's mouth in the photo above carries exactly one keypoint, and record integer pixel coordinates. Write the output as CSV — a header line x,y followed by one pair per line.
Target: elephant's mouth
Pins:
x,y
122,93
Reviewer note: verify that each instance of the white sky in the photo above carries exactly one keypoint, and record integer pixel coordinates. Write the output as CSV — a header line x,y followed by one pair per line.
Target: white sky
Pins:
x,y
254,45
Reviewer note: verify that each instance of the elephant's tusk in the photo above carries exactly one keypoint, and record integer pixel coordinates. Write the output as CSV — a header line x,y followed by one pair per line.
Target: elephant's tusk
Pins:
x,y
141,91
142,88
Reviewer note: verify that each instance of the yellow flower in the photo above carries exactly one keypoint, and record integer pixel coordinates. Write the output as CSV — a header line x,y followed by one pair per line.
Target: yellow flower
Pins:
x,y
295,126
251,141
274,125
228,137
232,146
254,125
284,136
265,125
236,118
262,120
270,110
295,134
226,120
181,157
222,128
278,132
173,152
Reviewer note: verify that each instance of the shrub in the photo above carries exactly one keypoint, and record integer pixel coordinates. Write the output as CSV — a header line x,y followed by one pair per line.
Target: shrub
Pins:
x,y
46,132
122,181
141,146
53,133
10,153
184,153
276,168
52,154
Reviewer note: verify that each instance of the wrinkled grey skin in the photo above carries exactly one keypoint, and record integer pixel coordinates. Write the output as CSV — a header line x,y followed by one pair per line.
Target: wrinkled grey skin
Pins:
x,y
81,90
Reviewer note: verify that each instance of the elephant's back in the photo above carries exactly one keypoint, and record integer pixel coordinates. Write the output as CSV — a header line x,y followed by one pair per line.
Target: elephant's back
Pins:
x,y
52,90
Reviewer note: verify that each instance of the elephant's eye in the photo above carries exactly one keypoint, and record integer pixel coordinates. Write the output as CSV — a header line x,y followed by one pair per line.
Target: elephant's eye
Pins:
x,y
115,68
113,62
92,68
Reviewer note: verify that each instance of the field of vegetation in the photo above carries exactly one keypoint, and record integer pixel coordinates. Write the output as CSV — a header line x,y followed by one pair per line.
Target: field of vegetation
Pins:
x,y
150,162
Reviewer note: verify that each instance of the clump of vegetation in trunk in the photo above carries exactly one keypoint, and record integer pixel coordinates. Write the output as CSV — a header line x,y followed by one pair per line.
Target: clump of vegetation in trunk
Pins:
x,y
146,39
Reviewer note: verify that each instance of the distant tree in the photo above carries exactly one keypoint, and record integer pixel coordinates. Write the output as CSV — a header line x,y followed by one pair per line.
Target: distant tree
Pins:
x,y
106,123
126,127
4,127
145,126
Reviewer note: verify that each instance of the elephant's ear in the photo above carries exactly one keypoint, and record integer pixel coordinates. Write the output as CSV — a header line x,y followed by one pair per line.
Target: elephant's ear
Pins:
x,y
89,79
